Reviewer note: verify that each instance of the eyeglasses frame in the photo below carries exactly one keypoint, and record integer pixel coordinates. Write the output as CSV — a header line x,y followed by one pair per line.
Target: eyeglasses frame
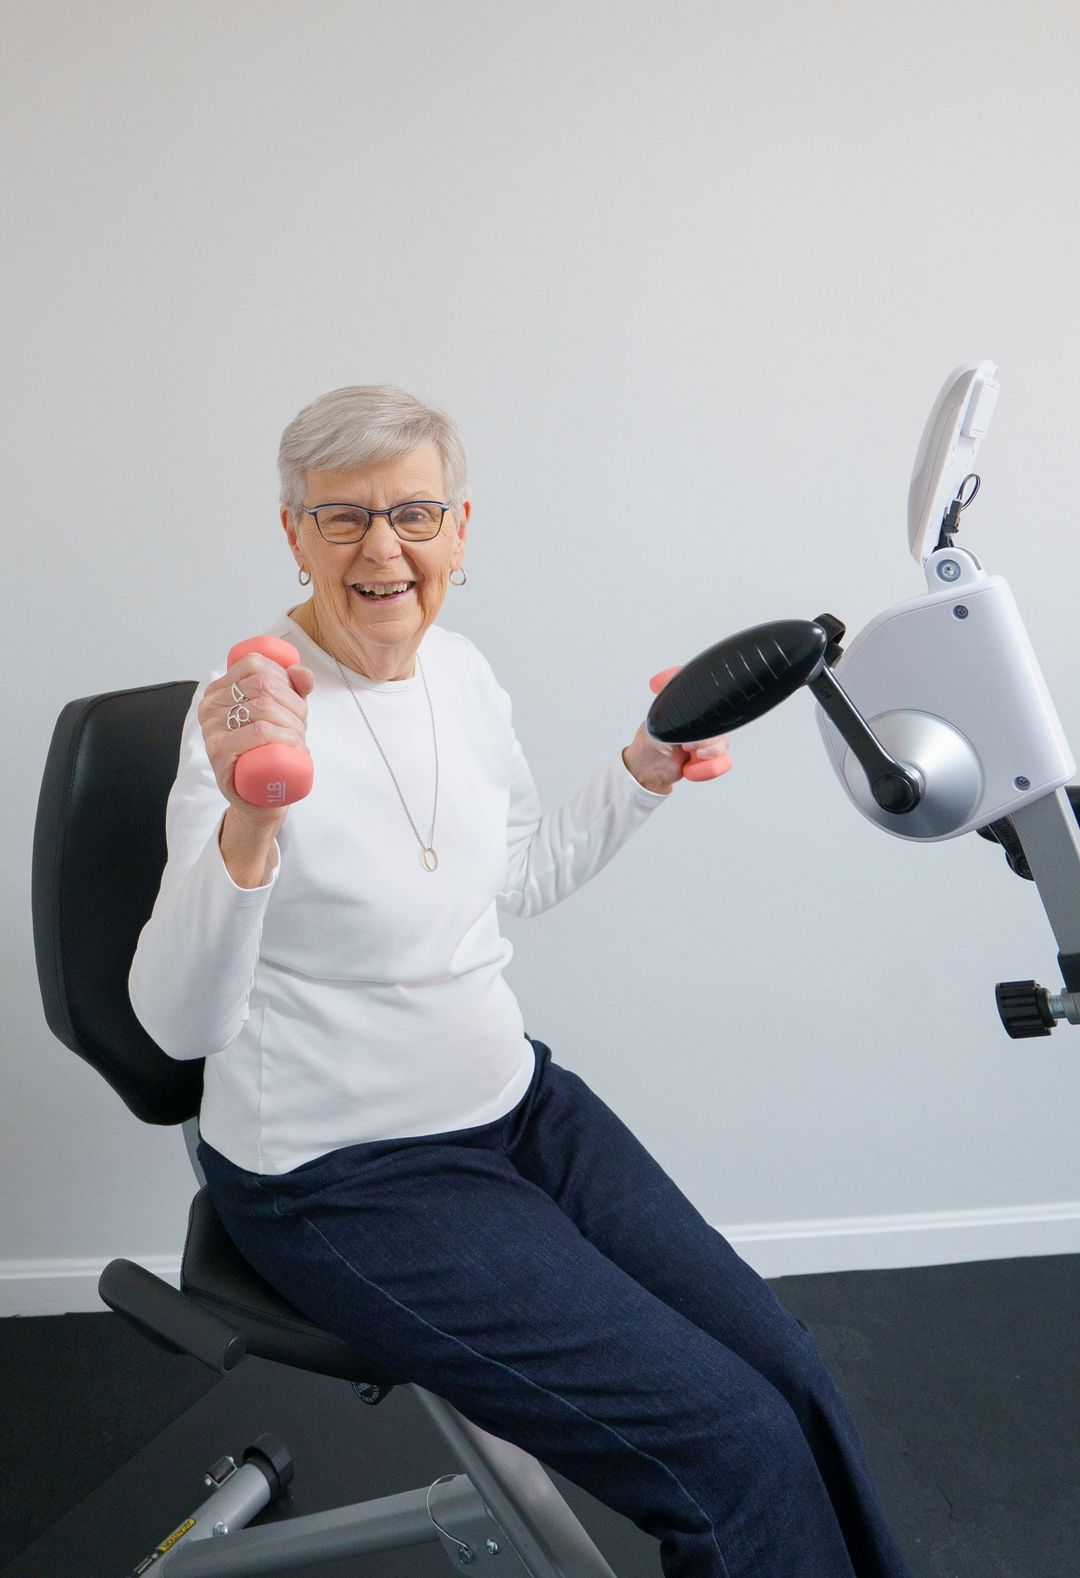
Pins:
x,y
343,542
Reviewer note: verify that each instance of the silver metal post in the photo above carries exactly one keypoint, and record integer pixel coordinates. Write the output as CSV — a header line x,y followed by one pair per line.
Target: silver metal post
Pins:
x,y
191,1140
385,1524
520,1497
1049,832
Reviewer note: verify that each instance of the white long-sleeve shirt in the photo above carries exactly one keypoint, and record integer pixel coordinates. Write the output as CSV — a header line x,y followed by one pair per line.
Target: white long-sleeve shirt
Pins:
x,y
356,996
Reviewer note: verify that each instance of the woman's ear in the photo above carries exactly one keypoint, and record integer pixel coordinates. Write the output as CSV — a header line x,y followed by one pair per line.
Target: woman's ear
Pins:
x,y
463,522
289,527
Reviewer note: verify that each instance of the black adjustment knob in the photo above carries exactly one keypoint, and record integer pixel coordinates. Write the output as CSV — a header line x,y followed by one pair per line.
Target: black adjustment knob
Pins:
x,y
1024,1007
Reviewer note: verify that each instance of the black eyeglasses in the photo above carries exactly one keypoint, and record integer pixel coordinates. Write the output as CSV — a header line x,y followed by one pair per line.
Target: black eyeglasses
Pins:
x,y
415,521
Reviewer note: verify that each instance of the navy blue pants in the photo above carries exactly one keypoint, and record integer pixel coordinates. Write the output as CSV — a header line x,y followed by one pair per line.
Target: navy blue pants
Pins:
x,y
545,1276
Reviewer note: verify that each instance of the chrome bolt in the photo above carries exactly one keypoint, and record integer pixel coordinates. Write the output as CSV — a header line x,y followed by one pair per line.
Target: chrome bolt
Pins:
x,y
949,570
1065,1005
492,1548
220,1528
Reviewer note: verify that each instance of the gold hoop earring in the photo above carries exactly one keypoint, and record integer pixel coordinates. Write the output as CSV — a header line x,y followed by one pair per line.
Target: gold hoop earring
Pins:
x,y
464,576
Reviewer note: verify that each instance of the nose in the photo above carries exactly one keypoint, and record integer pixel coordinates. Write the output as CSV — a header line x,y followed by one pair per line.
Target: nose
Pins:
x,y
380,542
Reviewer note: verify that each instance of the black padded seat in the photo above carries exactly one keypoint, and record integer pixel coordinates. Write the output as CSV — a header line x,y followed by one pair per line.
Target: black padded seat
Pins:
x,y
215,1274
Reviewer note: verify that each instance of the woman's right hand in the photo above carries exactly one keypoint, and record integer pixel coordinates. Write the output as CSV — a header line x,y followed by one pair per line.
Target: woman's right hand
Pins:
x,y
276,700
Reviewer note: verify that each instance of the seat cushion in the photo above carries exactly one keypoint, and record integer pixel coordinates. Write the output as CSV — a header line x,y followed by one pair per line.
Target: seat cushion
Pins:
x,y
214,1273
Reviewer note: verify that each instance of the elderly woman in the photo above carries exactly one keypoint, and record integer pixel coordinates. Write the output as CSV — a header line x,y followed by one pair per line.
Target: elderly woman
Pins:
x,y
383,1141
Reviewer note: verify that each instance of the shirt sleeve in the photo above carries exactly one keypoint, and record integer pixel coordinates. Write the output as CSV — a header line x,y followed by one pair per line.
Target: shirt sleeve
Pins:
x,y
551,853
191,976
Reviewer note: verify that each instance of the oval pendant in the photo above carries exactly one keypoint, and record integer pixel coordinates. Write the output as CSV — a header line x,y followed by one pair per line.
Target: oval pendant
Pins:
x,y
429,865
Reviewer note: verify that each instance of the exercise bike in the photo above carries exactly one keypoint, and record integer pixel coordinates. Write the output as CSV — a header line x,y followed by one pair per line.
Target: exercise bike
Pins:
x,y
936,717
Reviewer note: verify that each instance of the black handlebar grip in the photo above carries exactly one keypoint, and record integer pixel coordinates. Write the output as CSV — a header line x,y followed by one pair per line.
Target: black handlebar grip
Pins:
x,y
737,680
170,1318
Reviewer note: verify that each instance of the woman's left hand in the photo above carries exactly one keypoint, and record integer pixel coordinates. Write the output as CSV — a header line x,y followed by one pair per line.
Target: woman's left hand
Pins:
x,y
659,767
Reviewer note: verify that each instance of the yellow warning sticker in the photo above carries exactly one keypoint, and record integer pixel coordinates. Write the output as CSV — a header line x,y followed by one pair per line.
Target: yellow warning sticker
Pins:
x,y
177,1534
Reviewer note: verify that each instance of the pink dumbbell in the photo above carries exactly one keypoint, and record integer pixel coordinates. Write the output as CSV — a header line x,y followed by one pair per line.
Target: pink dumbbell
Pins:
x,y
275,774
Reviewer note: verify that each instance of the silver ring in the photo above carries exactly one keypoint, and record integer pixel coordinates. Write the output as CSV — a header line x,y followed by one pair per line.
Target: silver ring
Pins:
x,y
240,714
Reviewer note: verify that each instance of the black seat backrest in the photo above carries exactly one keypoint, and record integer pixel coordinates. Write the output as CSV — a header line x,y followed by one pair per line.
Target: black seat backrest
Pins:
x,y
99,851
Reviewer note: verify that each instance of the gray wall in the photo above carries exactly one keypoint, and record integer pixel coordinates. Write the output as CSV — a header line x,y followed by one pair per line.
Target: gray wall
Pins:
x,y
688,278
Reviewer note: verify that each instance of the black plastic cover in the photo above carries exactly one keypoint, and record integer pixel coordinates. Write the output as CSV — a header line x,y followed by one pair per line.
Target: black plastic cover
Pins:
x,y
272,1456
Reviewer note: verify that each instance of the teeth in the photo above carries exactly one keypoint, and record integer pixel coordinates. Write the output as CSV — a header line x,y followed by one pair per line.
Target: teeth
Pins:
x,y
385,591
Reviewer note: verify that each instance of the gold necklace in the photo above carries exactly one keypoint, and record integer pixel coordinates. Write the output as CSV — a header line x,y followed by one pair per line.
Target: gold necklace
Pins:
x,y
428,856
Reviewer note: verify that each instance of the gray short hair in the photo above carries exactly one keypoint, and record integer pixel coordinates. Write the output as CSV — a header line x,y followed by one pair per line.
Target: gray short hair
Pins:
x,y
349,427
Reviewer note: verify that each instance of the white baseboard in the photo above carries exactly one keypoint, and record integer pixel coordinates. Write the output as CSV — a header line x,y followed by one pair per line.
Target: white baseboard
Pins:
x,y
774,1249
66,1287
925,1238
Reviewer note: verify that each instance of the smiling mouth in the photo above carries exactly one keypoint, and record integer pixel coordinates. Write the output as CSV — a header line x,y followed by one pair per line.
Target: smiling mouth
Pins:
x,y
386,596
